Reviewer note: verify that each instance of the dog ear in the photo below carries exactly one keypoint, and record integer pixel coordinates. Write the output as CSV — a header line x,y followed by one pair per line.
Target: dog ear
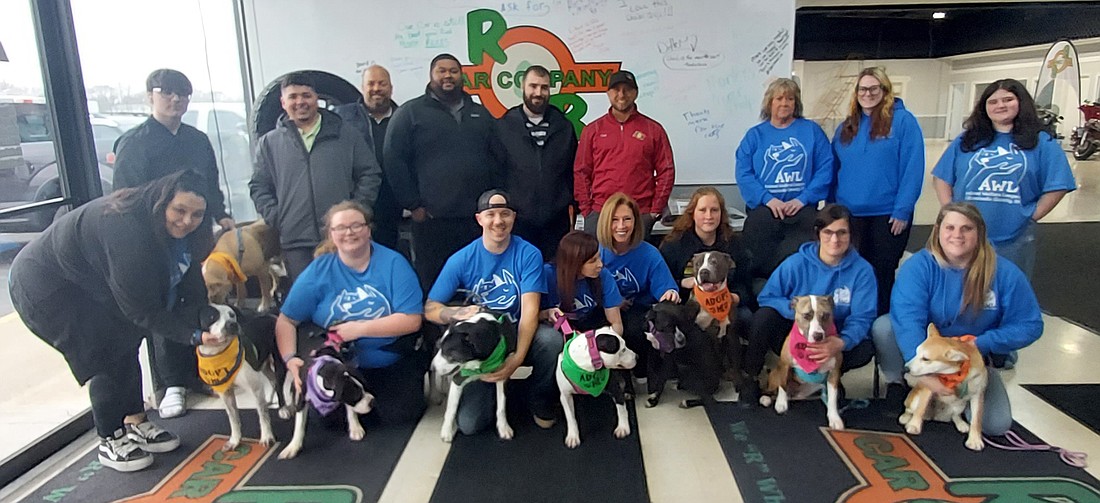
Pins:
x,y
730,264
954,355
326,351
933,331
794,304
827,300
607,343
208,315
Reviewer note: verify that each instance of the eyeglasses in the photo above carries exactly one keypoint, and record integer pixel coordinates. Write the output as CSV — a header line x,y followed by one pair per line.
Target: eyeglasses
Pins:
x,y
827,234
354,228
869,89
169,93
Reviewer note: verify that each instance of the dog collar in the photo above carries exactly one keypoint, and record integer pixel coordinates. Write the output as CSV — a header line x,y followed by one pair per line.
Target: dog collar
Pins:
x,y
229,263
957,381
664,341
316,395
797,346
490,364
585,382
718,303
219,370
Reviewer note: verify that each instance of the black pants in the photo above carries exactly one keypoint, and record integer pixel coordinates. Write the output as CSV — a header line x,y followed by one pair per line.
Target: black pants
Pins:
x,y
634,334
772,240
435,240
883,250
174,364
296,260
398,390
544,236
385,218
116,393
768,332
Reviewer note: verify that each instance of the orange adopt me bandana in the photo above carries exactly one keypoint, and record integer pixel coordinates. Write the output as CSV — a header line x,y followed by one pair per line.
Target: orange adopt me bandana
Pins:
x,y
718,303
952,381
229,263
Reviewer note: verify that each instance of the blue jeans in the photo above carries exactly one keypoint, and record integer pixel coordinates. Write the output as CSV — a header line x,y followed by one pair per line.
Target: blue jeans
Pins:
x,y
1021,251
477,410
997,418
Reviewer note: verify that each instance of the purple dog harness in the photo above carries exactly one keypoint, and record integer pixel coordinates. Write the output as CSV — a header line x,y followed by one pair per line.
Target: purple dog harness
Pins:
x,y
315,394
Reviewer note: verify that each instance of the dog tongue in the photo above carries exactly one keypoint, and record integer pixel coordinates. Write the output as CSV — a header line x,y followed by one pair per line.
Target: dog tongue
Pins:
x,y
708,287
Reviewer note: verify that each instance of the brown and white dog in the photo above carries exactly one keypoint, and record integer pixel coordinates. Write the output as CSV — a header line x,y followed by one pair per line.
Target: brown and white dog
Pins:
x,y
959,366
711,291
796,373
251,250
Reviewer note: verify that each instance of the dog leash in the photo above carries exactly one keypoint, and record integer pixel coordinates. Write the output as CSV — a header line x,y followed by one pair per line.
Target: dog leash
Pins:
x,y
1015,443
589,336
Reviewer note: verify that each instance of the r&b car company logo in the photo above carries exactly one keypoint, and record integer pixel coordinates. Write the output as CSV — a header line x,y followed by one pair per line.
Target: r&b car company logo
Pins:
x,y
500,55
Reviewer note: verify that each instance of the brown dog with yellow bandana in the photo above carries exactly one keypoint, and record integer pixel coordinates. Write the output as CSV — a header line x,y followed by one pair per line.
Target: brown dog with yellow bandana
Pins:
x,y
250,250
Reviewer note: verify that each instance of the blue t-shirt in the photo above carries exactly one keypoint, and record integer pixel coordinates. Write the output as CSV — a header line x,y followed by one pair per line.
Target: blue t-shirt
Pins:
x,y
788,163
329,292
493,281
927,292
1005,181
583,300
641,273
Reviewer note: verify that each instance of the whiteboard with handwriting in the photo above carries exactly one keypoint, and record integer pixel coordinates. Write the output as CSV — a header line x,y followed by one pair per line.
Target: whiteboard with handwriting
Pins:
x,y
701,65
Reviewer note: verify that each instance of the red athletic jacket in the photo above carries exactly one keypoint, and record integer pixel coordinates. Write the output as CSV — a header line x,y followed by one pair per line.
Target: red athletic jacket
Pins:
x,y
633,157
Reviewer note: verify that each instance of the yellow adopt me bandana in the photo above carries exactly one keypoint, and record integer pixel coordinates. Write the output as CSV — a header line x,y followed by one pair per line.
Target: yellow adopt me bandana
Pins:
x,y
229,263
219,370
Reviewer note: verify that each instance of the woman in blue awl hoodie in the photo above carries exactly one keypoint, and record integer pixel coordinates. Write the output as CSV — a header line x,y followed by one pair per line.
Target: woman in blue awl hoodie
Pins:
x,y
827,266
1003,164
879,151
579,288
784,168
958,283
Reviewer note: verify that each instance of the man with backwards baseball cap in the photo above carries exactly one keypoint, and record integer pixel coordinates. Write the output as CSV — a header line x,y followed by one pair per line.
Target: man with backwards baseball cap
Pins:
x,y
623,151
501,272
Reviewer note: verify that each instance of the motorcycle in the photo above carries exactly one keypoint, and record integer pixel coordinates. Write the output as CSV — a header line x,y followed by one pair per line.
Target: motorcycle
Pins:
x,y
1048,121
1086,138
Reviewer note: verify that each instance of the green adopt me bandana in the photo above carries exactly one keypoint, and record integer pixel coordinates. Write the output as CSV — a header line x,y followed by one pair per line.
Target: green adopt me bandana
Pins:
x,y
584,381
488,365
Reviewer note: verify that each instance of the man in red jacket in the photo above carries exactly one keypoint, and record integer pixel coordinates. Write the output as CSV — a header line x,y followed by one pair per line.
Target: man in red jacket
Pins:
x,y
623,151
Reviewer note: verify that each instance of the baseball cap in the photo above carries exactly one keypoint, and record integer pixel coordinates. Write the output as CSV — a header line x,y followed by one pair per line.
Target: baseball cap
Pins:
x,y
485,201
622,77
169,81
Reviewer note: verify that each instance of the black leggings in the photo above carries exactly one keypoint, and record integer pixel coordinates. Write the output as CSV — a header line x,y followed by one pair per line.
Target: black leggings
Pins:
x,y
772,240
634,334
116,393
173,364
883,250
768,332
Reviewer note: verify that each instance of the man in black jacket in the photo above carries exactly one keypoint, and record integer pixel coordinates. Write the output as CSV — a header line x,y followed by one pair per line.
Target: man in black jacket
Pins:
x,y
371,117
308,163
540,145
441,153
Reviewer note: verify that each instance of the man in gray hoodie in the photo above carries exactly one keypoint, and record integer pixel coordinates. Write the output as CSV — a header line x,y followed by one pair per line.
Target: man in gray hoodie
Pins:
x,y
309,162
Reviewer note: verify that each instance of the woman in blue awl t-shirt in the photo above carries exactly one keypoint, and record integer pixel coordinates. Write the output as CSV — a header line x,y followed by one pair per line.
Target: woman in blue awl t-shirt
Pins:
x,y
879,151
579,288
369,295
784,168
958,283
1009,169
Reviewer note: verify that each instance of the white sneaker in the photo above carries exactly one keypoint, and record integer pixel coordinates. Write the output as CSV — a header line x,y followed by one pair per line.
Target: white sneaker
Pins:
x,y
152,438
122,454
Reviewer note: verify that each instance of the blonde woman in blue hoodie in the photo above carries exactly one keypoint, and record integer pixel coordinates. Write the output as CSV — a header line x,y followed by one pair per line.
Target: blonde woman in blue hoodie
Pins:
x,y
879,153
828,265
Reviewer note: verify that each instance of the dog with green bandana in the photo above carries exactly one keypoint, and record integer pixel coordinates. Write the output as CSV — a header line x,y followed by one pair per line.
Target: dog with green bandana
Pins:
x,y
588,366
468,349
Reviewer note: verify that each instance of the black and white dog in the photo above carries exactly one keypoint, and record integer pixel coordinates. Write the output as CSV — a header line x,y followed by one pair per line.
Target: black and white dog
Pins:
x,y
242,358
586,366
680,347
328,382
469,348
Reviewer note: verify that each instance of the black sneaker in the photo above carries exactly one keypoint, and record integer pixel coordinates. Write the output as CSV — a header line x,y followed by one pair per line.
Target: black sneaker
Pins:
x,y
749,394
120,453
896,393
152,438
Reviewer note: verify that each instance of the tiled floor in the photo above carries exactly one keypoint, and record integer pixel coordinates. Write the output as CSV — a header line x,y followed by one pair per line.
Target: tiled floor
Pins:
x,y
682,457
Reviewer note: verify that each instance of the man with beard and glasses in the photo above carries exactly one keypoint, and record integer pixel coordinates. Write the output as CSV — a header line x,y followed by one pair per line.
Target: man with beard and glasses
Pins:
x,y
308,163
441,153
540,145
371,117
623,151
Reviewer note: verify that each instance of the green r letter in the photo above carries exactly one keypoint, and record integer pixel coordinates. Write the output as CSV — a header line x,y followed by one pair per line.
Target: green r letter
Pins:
x,y
574,108
484,40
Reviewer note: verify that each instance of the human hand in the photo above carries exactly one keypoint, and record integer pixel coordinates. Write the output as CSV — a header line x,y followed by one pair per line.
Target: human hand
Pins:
x,y
776,206
552,314
227,224
348,330
672,295
792,207
465,312
294,368
511,363
828,348
897,226
420,215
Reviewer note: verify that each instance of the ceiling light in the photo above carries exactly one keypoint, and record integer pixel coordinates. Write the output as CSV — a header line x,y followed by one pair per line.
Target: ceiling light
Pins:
x,y
939,15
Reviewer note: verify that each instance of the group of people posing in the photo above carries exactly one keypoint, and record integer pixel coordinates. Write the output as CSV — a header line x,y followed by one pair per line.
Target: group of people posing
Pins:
x,y
492,203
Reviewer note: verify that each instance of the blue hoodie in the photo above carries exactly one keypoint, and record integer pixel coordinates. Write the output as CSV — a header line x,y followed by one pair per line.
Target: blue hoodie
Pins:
x,y
851,284
641,273
927,292
881,176
788,163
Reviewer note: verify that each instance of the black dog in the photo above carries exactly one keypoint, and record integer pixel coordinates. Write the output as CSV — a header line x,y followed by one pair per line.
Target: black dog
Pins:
x,y
680,347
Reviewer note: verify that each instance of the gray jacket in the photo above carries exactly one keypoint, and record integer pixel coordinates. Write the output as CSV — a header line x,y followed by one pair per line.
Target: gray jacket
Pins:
x,y
293,188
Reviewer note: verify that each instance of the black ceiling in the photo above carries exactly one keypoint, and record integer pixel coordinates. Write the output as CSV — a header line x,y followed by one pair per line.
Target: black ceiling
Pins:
x,y
908,31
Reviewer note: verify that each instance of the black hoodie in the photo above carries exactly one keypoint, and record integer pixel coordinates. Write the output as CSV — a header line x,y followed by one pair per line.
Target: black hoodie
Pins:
x,y
540,179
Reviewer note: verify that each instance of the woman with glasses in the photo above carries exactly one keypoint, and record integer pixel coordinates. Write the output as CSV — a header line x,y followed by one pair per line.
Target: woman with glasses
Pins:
x,y
827,266
879,151
784,168
370,297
